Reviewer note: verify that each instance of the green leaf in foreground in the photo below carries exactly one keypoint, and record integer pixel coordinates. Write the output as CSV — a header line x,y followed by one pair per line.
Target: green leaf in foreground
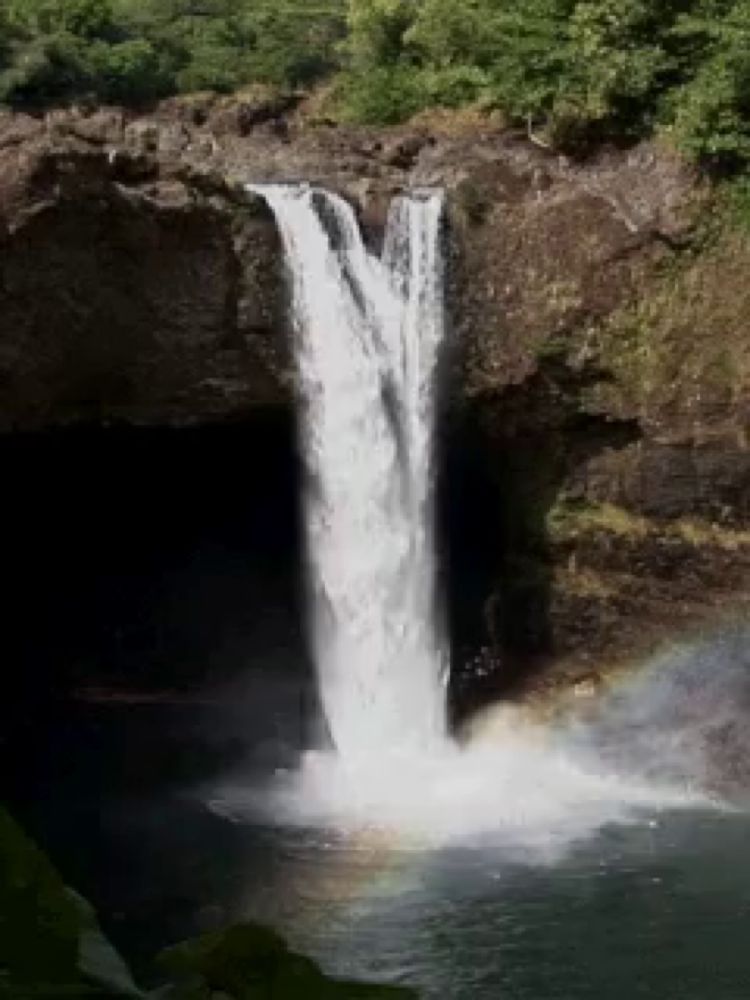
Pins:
x,y
250,962
51,944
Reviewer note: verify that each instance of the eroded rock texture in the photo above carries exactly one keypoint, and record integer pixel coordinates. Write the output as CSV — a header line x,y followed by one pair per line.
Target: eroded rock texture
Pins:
x,y
596,476
130,291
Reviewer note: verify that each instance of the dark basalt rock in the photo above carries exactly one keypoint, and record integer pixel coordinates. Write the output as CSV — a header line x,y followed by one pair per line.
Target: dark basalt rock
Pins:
x,y
140,284
131,293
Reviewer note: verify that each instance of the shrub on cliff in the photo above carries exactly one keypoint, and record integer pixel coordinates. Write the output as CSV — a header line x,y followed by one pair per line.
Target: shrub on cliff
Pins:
x,y
709,114
573,70
60,50
595,64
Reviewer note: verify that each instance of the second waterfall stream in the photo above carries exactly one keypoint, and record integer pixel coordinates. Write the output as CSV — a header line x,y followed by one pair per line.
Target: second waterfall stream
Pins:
x,y
367,335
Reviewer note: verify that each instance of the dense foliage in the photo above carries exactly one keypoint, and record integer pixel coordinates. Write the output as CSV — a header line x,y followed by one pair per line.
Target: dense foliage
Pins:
x,y
571,71
138,50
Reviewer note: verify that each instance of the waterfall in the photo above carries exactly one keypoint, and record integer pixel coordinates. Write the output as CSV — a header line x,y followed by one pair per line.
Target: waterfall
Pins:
x,y
367,336
368,331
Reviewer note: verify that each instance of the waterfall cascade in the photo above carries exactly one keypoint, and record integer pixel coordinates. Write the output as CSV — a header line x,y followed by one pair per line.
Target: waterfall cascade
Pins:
x,y
368,331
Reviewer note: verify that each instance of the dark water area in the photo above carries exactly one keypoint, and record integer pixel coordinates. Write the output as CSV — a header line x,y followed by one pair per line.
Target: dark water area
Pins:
x,y
151,571
119,796
154,650
150,559
115,794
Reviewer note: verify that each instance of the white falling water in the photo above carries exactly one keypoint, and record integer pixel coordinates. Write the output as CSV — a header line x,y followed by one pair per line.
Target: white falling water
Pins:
x,y
368,335
368,332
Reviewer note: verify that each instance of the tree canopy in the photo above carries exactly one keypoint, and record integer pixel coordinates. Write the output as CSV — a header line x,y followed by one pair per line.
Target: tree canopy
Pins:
x,y
53,51
581,71
577,71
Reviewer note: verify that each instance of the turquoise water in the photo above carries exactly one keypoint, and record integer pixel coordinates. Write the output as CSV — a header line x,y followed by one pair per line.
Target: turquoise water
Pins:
x,y
659,909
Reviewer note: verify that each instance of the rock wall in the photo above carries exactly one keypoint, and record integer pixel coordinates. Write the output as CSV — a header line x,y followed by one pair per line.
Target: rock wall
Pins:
x,y
602,318
597,473
130,291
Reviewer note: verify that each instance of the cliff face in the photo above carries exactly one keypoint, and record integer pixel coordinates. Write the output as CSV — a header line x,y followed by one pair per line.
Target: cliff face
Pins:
x,y
597,473
129,290
604,390
140,282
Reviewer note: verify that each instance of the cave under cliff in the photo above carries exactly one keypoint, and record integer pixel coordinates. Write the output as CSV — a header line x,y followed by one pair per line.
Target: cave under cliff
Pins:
x,y
594,470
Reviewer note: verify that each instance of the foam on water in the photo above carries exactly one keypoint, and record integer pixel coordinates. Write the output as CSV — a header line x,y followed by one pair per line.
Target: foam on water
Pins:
x,y
523,791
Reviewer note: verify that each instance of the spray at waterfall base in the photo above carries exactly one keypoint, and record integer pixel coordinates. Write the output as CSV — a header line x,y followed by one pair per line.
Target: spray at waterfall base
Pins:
x,y
368,331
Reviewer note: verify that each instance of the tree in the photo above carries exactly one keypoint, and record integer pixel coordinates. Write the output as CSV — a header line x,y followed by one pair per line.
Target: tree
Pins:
x,y
710,113
376,30
88,19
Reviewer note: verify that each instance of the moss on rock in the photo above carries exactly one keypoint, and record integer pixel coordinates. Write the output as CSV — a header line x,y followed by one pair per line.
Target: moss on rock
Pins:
x,y
679,354
251,962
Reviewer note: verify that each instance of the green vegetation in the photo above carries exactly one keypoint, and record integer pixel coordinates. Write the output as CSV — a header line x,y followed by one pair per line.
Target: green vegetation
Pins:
x,y
51,946
250,962
50,942
569,520
53,51
573,72
680,345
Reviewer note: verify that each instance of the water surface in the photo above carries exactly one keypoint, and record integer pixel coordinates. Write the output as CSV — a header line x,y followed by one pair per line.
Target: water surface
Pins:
x,y
657,909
